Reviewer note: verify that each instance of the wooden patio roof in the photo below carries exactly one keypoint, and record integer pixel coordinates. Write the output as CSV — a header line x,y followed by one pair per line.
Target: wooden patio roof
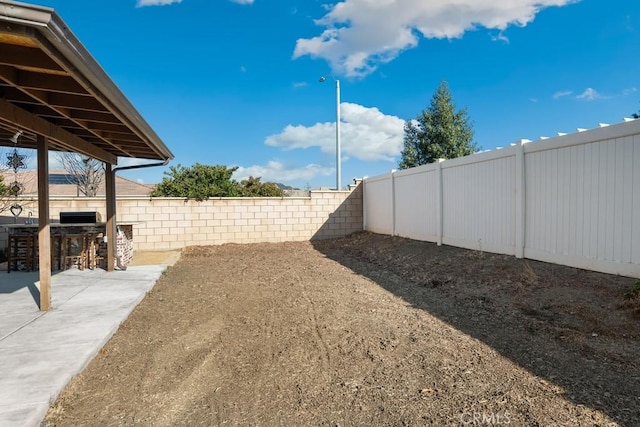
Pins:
x,y
56,95
50,85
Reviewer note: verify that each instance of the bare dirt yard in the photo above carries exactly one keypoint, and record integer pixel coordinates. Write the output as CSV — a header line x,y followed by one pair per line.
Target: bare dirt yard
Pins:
x,y
367,330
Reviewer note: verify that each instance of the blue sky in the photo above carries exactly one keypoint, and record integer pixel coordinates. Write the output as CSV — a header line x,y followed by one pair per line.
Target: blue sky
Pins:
x,y
236,82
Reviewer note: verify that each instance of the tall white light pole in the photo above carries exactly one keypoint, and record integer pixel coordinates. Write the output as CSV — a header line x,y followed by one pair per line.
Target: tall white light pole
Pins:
x,y
338,160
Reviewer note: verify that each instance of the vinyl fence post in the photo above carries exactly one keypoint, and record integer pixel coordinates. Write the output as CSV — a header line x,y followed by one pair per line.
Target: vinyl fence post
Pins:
x,y
440,203
393,202
520,199
364,203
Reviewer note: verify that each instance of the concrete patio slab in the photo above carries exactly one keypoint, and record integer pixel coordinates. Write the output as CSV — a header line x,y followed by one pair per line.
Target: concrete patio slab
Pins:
x,y
41,351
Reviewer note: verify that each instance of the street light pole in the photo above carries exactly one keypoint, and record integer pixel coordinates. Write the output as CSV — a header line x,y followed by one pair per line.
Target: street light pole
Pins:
x,y
338,160
338,156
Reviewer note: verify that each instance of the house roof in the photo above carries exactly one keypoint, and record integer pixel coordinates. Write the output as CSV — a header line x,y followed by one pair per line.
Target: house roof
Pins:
x,y
61,184
52,86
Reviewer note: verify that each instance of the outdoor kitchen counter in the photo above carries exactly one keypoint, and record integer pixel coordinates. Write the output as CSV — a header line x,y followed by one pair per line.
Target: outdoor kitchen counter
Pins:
x,y
56,228
71,244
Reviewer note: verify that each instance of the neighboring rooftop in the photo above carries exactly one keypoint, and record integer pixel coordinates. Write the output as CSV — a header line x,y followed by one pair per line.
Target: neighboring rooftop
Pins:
x,y
64,184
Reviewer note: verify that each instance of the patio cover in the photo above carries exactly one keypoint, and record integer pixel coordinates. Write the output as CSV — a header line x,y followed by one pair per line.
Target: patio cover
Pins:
x,y
54,91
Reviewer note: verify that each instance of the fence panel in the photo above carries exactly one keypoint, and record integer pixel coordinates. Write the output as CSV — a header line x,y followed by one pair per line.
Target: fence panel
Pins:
x,y
377,204
416,203
479,202
580,204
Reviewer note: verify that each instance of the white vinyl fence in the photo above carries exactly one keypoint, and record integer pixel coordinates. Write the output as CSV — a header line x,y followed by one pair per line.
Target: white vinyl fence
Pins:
x,y
572,200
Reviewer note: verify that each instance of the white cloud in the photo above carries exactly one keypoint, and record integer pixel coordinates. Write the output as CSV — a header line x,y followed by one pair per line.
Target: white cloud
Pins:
x,y
298,85
562,94
275,171
500,37
359,35
243,1
366,134
589,94
142,3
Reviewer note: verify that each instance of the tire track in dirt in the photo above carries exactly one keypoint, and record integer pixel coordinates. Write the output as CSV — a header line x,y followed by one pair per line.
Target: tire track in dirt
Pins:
x,y
321,344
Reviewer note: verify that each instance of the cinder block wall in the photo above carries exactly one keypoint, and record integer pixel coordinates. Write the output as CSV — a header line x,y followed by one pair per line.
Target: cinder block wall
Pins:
x,y
173,223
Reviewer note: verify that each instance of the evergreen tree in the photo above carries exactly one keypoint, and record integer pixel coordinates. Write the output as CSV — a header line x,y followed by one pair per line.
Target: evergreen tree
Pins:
x,y
439,132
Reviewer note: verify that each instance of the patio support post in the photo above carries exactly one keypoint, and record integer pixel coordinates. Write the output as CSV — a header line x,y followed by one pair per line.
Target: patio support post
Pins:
x,y
110,184
44,229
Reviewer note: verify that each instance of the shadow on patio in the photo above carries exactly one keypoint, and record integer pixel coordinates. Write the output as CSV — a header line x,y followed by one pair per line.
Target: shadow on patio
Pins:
x,y
20,280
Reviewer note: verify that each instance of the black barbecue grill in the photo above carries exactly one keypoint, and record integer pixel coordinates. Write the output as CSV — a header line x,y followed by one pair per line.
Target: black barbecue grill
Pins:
x,y
79,217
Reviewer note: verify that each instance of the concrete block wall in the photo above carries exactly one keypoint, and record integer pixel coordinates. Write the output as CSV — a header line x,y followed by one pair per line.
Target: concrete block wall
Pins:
x,y
174,223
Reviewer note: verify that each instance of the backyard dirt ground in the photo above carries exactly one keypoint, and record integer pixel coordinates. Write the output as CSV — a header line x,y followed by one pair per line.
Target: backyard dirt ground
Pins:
x,y
367,330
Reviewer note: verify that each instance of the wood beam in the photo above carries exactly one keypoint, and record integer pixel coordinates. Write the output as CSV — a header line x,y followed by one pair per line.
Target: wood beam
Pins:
x,y
24,119
44,230
110,191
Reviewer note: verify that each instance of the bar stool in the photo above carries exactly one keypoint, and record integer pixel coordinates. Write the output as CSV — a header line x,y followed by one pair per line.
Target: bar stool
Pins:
x,y
74,251
20,248
93,248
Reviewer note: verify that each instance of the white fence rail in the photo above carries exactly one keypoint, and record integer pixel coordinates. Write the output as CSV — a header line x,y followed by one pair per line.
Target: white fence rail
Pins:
x,y
572,200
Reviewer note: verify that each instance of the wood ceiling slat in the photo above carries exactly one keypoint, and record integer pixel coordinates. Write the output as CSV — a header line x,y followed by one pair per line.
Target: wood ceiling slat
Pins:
x,y
50,83
109,127
42,82
14,39
31,58
123,137
44,111
93,116
73,102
